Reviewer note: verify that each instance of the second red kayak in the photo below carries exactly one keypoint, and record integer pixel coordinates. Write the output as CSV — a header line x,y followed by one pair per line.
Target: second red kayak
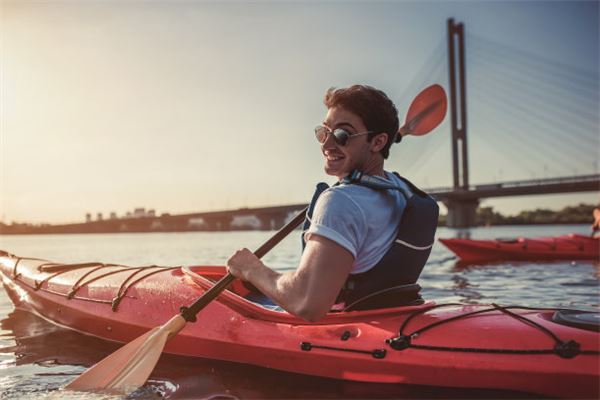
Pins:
x,y
567,247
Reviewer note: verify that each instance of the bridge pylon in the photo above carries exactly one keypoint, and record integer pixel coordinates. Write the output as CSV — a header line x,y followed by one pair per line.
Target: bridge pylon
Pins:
x,y
461,213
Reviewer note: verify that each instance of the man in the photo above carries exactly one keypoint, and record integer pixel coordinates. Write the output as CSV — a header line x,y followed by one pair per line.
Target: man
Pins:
x,y
596,223
353,226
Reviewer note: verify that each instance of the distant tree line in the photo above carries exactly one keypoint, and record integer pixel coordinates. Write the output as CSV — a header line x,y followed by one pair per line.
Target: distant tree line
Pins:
x,y
579,214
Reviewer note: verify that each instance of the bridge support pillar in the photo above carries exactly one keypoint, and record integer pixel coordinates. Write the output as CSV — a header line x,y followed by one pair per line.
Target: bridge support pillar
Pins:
x,y
461,214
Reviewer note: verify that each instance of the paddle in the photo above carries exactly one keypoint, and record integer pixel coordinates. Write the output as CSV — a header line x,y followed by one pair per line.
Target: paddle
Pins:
x,y
425,112
130,366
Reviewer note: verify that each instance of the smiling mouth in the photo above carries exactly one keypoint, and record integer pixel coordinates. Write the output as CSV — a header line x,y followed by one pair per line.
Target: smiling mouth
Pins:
x,y
330,157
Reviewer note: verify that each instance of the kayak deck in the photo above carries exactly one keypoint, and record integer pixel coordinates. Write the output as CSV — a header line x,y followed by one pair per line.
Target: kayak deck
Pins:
x,y
439,345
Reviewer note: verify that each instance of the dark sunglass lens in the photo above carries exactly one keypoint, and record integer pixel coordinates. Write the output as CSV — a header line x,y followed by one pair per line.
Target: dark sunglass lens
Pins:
x,y
341,136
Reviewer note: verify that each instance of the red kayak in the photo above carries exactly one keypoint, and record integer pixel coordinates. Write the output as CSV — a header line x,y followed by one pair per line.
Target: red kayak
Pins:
x,y
544,351
568,247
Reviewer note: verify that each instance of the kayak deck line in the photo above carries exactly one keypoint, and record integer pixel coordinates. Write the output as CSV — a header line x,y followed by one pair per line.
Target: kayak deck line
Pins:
x,y
563,348
376,353
57,267
60,269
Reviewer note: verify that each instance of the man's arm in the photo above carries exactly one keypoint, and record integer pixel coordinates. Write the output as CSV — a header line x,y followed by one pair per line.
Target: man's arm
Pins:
x,y
310,290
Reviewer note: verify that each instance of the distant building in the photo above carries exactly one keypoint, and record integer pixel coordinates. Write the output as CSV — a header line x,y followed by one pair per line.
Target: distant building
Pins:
x,y
157,225
128,215
88,217
246,222
151,213
139,212
113,215
99,217
196,223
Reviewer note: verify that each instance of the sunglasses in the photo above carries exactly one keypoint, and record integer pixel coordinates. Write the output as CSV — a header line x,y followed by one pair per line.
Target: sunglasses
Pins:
x,y
340,136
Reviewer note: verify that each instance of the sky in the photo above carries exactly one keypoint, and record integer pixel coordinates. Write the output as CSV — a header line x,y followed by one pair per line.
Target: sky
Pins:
x,y
190,106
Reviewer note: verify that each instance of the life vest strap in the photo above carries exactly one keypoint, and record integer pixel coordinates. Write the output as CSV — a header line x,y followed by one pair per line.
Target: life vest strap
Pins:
x,y
412,246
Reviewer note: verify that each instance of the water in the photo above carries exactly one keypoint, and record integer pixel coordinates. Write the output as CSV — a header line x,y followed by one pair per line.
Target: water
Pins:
x,y
38,358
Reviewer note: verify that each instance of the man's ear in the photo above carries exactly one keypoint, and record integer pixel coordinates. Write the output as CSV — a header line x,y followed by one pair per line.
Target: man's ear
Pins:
x,y
379,141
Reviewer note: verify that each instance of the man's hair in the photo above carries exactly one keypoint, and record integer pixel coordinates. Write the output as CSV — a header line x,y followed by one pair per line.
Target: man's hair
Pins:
x,y
377,111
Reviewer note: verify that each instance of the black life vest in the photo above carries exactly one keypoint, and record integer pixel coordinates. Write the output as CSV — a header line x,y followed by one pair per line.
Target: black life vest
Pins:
x,y
403,262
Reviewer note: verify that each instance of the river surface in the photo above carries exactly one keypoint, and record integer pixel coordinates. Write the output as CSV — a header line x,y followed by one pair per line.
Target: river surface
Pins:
x,y
38,358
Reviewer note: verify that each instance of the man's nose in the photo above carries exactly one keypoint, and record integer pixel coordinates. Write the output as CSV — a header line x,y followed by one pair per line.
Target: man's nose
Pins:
x,y
329,141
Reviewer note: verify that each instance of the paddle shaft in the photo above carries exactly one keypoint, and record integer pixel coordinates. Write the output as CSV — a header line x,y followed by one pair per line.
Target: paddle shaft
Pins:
x,y
189,313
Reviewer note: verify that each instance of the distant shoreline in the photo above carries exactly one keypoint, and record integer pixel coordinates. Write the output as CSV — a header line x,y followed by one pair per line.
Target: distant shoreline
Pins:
x,y
56,230
223,221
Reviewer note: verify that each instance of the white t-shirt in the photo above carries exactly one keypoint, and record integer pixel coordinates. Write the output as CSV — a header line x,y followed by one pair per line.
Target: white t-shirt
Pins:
x,y
362,220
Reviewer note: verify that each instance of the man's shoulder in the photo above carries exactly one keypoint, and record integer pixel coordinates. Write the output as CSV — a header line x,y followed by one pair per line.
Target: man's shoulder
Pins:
x,y
349,193
342,194
340,203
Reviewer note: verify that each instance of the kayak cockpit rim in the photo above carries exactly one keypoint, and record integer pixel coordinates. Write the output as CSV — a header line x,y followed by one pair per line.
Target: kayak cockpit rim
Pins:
x,y
251,309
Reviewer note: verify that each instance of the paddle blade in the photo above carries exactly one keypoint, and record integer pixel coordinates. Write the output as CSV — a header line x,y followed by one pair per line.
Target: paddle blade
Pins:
x,y
426,111
129,367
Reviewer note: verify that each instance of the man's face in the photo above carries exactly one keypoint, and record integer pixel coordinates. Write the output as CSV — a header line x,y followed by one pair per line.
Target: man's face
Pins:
x,y
341,160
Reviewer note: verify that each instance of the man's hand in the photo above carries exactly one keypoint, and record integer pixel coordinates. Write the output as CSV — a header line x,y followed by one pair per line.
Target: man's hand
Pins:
x,y
243,263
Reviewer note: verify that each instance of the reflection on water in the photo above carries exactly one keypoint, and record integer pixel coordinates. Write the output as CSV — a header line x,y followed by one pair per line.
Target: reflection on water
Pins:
x,y
38,358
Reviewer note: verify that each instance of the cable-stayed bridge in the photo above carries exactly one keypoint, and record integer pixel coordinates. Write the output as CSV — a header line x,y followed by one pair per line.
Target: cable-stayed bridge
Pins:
x,y
519,124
